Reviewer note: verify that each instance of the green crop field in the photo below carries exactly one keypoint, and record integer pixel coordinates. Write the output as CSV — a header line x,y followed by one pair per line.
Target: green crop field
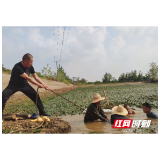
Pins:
x,y
134,95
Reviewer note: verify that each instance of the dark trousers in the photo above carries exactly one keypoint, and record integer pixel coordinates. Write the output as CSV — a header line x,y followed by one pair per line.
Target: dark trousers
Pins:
x,y
27,90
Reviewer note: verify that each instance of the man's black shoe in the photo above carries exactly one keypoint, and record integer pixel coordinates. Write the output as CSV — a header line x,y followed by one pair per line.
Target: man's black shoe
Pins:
x,y
44,114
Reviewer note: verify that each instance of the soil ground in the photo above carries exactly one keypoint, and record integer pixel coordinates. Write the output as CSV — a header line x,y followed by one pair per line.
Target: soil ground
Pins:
x,y
55,125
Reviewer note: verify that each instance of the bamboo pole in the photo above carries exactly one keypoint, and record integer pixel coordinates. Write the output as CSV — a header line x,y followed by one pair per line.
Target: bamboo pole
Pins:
x,y
105,97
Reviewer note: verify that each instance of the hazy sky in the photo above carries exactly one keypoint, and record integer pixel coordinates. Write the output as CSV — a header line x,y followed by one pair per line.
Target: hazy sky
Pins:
x,y
89,53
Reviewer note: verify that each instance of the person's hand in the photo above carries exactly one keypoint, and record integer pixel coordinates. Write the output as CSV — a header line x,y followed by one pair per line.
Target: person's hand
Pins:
x,y
129,111
106,119
133,112
47,88
40,85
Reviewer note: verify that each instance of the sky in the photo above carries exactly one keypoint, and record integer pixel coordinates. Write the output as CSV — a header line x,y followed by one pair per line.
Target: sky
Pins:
x,y
87,51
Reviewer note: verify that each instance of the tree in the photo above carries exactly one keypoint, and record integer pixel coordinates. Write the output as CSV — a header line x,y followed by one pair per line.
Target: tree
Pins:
x,y
153,71
113,79
83,80
97,82
122,78
107,78
62,75
127,77
135,76
140,76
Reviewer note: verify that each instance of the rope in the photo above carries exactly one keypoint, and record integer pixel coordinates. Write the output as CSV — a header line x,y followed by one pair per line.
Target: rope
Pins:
x,y
70,102
36,103
67,99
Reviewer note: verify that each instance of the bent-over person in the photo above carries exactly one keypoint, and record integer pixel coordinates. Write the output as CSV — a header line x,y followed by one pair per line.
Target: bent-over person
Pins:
x,y
19,82
119,112
94,110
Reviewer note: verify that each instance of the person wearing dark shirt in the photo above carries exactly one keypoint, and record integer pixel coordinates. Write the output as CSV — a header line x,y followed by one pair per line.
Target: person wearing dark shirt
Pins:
x,y
147,110
19,82
94,110
119,112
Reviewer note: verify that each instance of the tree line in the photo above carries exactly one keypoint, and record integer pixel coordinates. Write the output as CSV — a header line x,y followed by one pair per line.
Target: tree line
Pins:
x,y
134,76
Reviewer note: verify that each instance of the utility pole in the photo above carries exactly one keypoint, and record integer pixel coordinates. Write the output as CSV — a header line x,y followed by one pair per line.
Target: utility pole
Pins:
x,y
57,67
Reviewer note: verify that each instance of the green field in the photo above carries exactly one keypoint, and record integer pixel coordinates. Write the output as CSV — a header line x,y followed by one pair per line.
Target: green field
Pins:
x,y
134,95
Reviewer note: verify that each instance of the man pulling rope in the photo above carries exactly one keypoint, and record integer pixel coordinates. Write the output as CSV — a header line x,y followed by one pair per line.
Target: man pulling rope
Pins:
x,y
19,82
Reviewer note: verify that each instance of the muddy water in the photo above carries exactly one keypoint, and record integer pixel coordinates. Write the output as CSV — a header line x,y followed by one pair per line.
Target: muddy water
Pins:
x,y
78,126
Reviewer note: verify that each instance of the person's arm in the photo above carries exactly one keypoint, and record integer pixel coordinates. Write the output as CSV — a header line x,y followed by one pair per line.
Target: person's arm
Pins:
x,y
130,111
133,112
94,112
40,81
25,76
102,112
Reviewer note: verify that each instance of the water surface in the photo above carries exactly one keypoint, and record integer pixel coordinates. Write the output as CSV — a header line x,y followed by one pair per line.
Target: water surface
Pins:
x,y
78,125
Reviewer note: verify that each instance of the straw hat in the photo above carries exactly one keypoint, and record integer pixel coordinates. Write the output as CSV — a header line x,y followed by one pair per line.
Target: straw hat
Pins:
x,y
119,110
97,98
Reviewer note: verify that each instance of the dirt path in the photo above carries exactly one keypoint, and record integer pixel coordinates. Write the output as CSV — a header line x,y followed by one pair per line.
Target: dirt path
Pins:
x,y
52,84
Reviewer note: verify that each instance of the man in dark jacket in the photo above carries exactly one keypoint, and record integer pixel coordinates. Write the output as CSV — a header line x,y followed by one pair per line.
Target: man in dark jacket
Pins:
x,y
119,113
94,110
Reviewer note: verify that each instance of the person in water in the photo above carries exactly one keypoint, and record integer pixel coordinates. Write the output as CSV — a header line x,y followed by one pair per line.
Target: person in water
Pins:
x,y
130,111
119,112
147,110
94,110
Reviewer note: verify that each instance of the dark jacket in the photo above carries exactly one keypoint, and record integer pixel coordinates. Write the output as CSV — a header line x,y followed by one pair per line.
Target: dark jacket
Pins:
x,y
93,113
116,116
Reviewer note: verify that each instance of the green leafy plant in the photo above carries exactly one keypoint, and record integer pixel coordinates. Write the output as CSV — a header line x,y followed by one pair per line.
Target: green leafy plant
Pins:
x,y
6,131
133,95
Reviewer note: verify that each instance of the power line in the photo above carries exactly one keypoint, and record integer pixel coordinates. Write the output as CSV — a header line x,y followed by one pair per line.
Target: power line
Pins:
x,y
66,40
57,67
59,49
54,42
63,34
57,38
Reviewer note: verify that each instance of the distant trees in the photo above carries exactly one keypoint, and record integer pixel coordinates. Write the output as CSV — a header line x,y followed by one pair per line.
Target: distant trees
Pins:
x,y
63,77
59,75
81,81
152,75
153,71
107,78
134,76
140,76
5,70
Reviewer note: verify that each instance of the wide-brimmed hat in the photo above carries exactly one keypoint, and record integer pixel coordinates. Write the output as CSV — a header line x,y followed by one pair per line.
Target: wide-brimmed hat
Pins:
x,y
120,110
97,98
34,116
